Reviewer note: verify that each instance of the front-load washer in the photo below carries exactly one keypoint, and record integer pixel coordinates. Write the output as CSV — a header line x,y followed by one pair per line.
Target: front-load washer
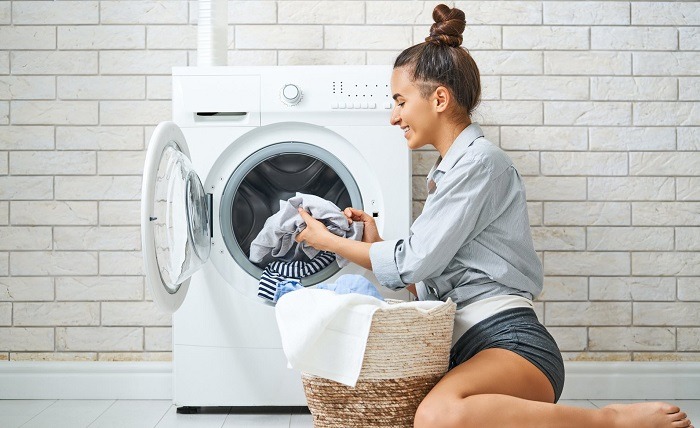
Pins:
x,y
241,140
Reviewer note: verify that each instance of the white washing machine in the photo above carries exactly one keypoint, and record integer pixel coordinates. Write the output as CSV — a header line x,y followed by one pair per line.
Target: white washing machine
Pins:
x,y
254,136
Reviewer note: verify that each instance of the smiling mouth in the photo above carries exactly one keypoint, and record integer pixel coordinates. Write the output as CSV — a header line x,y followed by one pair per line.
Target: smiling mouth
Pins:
x,y
406,129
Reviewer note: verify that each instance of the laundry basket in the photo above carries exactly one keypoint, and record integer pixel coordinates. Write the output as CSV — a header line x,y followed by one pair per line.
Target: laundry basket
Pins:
x,y
406,355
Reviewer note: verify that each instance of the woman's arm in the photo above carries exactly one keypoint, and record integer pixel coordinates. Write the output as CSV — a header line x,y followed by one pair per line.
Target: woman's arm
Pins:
x,y
318,236
355,251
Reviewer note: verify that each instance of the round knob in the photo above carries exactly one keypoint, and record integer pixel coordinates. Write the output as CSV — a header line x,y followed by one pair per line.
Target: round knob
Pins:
x,y
291,94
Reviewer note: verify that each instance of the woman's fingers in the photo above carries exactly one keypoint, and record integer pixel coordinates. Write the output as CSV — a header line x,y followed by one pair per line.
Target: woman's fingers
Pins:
x,y
348,214
304,215
356,215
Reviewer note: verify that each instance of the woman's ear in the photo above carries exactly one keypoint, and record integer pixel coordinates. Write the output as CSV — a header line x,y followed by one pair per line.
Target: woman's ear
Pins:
x,y
442,98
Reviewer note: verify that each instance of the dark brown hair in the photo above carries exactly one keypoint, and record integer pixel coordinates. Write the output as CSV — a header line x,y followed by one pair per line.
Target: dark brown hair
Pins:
x,y
441,61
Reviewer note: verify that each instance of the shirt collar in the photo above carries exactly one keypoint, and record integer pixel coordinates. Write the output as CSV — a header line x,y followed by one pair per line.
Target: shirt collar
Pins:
x,y
460,145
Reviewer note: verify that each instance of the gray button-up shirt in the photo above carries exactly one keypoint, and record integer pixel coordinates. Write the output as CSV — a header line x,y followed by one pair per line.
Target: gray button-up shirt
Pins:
x,y
472,240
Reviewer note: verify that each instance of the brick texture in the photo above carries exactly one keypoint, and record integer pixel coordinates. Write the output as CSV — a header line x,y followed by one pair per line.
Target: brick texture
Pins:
x,y
596,102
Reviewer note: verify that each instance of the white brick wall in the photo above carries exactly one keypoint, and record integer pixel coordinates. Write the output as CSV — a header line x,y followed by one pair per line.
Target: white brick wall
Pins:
x,y
597,103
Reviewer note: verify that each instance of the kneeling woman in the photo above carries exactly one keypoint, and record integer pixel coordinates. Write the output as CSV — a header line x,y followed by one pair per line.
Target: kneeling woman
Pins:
x,y
472,244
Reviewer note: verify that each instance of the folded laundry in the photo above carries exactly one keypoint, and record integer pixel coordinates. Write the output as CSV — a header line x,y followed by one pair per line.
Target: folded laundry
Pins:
x,y
277,271
277,235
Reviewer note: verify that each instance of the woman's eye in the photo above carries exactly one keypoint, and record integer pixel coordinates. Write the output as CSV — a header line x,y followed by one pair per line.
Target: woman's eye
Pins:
x,y
401,104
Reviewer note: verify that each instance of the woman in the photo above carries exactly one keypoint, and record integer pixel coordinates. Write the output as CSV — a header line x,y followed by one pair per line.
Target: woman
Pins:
x,y
472,244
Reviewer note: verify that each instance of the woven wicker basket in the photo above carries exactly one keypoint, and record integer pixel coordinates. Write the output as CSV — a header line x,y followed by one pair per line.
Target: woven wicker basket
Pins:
x,y
406,355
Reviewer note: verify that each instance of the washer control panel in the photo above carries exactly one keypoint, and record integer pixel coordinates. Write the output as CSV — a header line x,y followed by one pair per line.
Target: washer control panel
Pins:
x,y
360,94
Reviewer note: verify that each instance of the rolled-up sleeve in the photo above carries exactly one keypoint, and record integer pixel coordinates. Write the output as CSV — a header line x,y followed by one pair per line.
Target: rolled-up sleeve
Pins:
x,y
456,213
382,256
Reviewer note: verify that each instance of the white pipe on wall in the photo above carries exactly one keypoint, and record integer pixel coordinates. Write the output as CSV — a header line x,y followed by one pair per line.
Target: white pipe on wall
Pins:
x,y
212,32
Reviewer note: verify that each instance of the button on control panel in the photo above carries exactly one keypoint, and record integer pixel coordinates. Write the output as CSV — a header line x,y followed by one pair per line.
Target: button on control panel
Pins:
x,y
290,94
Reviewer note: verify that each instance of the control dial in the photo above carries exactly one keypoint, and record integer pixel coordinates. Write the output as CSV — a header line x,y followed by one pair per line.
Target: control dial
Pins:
x,y
291,94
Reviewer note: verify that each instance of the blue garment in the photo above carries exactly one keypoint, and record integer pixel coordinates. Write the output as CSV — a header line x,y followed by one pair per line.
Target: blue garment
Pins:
x,y
284,287
347,284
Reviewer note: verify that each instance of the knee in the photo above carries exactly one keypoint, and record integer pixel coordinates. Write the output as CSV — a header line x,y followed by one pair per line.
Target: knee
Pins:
x,y
438,414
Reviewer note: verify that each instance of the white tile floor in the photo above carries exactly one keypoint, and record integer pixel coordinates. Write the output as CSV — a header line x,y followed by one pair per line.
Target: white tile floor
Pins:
x,y
162,414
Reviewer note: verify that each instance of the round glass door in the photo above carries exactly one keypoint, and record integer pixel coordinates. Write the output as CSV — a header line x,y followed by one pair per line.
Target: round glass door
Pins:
x,y
181,219
175,218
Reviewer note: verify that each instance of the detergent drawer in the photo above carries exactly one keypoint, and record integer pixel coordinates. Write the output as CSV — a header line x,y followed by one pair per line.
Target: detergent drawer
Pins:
x,y
216,100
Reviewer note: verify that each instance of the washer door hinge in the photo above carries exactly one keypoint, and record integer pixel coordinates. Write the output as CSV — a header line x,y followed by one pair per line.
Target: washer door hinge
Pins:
x,y
210,208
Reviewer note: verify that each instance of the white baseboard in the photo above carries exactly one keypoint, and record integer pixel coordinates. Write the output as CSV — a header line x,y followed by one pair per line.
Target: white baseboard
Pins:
x,y
632,380
153,380
86,380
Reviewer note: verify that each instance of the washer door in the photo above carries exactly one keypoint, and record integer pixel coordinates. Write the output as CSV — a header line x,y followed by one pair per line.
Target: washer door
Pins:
x,y
175,218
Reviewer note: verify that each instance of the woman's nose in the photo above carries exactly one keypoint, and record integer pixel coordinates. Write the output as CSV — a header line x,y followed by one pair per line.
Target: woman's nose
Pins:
x,y
395,118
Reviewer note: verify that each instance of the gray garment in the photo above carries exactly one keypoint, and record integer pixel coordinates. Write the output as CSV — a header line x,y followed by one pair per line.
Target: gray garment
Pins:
x,y
472,240
280,229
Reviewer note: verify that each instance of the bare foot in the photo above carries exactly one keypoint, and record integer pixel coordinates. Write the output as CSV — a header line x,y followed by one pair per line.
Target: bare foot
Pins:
x,y
647,415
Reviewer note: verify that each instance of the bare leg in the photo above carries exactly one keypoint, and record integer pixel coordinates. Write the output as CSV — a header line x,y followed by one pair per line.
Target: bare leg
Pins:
x,y
498,388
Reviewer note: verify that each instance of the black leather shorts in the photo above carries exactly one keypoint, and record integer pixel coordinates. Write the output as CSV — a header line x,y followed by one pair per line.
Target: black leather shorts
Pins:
x,y
517,330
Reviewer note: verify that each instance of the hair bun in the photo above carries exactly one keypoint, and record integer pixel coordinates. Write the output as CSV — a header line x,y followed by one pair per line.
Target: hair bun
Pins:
x,y
448,27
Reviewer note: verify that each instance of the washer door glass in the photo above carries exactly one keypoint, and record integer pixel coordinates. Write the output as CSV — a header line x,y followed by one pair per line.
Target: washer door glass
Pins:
x,y
277,172
175,217
181,225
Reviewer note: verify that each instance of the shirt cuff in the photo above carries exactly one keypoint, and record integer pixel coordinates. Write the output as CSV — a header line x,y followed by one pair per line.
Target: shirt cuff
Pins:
x,y
381,254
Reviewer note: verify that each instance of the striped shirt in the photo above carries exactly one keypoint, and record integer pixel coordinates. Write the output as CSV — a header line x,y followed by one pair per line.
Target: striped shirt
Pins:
x,y
472,240
279,271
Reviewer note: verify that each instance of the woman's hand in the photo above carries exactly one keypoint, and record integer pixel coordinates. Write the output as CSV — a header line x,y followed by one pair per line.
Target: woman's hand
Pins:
x,y
370,233
315,234
318,236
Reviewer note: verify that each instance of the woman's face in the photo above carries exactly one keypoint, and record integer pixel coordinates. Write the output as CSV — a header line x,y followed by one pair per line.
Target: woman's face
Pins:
x,y
415,115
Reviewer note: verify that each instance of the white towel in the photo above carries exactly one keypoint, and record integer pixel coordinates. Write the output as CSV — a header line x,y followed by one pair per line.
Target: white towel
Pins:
x,y
325,334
